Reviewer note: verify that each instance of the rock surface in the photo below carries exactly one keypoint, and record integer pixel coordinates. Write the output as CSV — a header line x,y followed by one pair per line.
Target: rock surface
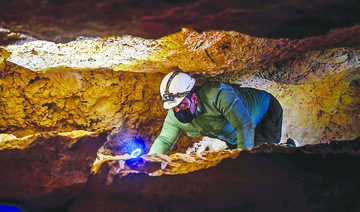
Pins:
x,y
65,20
267,178
47,170
55,172
213,52
60,101
117,78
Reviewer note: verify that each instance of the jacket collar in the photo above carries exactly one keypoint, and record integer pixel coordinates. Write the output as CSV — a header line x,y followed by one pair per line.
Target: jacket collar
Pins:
x,y
199,106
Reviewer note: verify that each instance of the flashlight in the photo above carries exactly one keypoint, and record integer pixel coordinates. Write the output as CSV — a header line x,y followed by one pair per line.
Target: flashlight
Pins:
x,y
135,153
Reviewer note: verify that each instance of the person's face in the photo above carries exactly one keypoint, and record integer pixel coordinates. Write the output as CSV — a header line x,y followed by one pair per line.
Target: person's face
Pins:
x,y
187,103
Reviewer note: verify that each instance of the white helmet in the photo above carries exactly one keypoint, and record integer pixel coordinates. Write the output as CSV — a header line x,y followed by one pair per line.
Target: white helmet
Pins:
x,y
174,88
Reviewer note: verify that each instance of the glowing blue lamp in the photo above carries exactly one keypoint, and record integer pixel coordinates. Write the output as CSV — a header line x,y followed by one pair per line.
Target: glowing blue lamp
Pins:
x,y
9,208
135,153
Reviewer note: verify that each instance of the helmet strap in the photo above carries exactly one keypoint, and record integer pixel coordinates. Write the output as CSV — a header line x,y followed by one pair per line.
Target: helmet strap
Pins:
x,y
169,82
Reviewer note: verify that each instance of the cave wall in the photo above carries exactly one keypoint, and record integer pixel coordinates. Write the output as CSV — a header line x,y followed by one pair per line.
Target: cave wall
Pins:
x,y
67,99
319,93
94,84
47,169
267,178
61,95
55,172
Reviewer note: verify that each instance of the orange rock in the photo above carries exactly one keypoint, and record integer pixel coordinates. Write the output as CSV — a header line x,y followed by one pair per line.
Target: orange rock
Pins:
x,y
117,78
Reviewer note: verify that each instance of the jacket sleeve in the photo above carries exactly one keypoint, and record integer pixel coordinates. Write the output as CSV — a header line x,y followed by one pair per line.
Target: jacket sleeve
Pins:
x,y
232,108
167,138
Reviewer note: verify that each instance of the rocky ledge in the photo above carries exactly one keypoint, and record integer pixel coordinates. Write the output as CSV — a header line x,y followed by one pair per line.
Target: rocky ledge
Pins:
x,y
58,103
65,172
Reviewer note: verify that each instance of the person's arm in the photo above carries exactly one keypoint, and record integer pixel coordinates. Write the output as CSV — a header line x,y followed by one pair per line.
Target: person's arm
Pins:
x,y
167,138
232,107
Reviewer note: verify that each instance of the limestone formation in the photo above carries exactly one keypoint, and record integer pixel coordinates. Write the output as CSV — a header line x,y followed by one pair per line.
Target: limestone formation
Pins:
x,y
267,178
59,102
92,84
47,169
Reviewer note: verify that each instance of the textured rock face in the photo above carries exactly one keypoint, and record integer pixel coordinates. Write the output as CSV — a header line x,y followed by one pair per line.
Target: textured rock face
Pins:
x,y
104,85
318,92
308,178
51,172
47,170
213,52
49,91
64,20
67,99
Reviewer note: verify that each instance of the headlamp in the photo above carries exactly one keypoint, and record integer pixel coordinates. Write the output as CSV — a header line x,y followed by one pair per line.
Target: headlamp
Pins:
x,y
169,97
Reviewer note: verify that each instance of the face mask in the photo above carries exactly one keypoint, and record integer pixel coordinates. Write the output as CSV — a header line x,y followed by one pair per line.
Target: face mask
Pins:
x,y
184,116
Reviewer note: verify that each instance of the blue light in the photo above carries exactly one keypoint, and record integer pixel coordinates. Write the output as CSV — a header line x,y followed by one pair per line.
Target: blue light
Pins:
x,y
133,146
135,153
133,162
8,208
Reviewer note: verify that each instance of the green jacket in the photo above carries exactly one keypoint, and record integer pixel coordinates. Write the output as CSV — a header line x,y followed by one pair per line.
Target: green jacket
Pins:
x,y
227,112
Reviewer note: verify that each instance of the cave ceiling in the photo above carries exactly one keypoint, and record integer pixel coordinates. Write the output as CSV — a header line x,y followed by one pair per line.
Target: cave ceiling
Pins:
x,y
64,20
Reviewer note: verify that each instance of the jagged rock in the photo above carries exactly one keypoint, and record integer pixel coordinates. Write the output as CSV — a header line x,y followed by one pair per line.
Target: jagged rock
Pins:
x,y
317,95
47,170
213,52
63,100
316,86
267,178
3,56
8,37
314,64
64,20
96,84
123,140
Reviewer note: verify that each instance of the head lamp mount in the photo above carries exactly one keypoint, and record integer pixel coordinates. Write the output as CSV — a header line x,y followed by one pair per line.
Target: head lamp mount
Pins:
x,y
169,97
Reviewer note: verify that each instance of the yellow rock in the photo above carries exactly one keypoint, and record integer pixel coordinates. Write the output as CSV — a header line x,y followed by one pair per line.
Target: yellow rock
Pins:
x,y
94,84
6,137
3,56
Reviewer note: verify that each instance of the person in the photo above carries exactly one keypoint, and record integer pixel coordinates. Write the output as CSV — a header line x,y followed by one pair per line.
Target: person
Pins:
x,y
242,117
